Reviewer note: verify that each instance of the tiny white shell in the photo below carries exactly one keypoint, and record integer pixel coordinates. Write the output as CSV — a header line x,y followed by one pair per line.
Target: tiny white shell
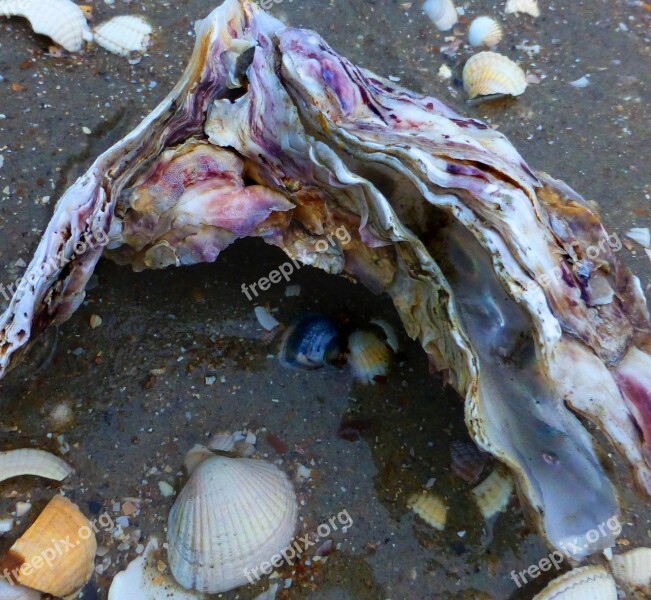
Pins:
x,y
124,34
529,7
584,583
633,569
29,461
492,495
641,235
488,73
430,508
442,13
61,20
484,31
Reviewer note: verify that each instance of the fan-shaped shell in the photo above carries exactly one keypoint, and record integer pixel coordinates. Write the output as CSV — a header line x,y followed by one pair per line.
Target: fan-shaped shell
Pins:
x,y
61,20
123,34
585,583
370,357
489,73
529,7
633,568
442,13
484,31
492,495
56,555
430,508
233,515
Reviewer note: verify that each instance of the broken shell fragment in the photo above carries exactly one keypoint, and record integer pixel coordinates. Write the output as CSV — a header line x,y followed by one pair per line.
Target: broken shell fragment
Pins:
x,y
467,461
9,591
485,31
492,495
312,342
633,569
41,560
123,35
232,515
584,583
61,20
528,7
430,508
442,13
489,73
29,461
641,235
369,356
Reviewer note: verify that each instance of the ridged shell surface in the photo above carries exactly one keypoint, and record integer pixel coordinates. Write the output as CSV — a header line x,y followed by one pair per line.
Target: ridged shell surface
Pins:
x,y
430,508
71,561
123,35
633,569
370,357
528,7
442,13
492,495
232,515
488,73
585,583
31,461
60,20
484,31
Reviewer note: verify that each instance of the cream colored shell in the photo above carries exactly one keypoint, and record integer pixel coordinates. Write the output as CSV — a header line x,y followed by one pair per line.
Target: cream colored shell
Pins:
x,y
485,31
369,358
492,495
633,569
490,73
124,34
61,20
430,508
62,533
30,461
585,583
233,514
528,7
442,13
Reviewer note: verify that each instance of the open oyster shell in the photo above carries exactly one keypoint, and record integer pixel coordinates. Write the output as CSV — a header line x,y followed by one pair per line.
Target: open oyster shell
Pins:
x,y
505,275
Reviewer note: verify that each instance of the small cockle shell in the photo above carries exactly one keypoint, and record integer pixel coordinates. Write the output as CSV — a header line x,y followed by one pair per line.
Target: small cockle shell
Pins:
x,y
442,13
489,73
233,515
311,342
124,34
430,508
17,592
369,356
584,583
484,31
492,495
633,569
56,555
61,20
529,7
29,461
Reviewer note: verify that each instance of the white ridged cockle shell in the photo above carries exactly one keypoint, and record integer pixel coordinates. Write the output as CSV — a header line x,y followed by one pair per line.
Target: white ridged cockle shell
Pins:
x,y
490,73
123,35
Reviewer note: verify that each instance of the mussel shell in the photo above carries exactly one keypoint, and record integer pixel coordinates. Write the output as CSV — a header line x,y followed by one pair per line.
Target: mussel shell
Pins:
x,y
312,342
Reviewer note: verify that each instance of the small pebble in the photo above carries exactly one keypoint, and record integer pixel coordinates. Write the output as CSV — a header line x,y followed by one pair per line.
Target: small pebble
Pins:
x,y
95,321
165,489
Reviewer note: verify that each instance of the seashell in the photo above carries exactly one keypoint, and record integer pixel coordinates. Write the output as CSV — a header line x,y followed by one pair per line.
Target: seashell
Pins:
x,y
123,35
467,461
641,235
17,592
442,13
143,580
60,20
492,495
369,356
484,31
56,555
528,7
265,318
633,569
490,73
584,583
312,342
30,461
232,515
195,456
389,333
430,508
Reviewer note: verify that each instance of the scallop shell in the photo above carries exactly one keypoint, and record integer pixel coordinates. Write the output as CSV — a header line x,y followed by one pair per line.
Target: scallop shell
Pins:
x,y
369,358
311,342
124,34
430,508
60,20
490,73
492,495
633,569
529,7
584,583
62,533
484,31
443,13
233,515
29,461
